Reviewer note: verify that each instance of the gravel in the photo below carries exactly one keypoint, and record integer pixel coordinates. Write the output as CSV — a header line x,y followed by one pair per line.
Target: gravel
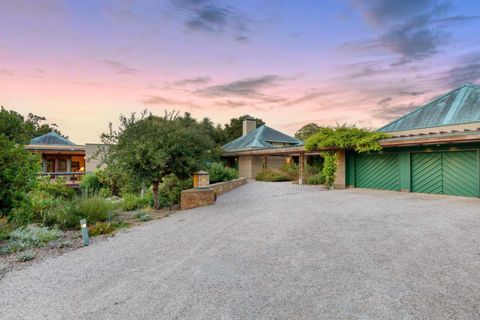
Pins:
x,y
293,253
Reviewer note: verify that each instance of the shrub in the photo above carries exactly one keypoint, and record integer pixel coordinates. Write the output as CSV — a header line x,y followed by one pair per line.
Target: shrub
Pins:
x,y
133,202
90,184
142,216
26,256
22,215
94,209
271,176
170,190
5,232
56,189
316,179
62,216
34,235
101,228
291,170
27,237
219,173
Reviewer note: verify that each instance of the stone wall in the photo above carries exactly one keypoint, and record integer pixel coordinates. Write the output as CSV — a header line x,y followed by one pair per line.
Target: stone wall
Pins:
x,y
222,187
193,198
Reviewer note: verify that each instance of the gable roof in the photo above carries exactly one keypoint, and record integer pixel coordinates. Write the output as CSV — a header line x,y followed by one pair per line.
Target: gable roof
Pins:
x,y
51,138
262,137
459,106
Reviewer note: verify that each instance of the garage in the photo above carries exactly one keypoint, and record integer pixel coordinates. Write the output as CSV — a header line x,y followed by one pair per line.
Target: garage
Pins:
x,y
433,149
450,173
378,171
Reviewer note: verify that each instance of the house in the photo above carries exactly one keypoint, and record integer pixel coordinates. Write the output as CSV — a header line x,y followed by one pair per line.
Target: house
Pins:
x,y
433,149
61,157
263,138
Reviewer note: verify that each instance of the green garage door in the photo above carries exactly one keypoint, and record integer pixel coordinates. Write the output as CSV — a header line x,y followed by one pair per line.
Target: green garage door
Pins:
x,y
452,173
377,171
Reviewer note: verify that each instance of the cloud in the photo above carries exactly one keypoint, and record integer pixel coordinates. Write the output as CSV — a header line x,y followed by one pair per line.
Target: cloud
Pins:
x,y
411,93
156,100
243,88
389,113
465,70
413,30
210,16
5,72
119,67
197,80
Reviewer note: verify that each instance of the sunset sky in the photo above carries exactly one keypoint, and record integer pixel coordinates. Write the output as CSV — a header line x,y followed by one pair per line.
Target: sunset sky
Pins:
x,y
82,63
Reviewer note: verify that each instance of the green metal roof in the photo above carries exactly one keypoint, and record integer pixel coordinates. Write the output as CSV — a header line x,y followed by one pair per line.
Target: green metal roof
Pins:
x,y
262,137
51,138
459,106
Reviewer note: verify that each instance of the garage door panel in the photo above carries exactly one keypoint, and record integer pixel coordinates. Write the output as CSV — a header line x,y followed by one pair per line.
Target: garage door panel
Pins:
x,y
378,171
460,173
427,173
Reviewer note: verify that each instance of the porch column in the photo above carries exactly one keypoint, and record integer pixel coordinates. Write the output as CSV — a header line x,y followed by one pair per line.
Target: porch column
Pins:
x,y
265,160
301,163
69,164
44,164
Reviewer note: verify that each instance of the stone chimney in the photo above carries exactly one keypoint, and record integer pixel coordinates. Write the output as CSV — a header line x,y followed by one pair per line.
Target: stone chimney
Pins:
x,y
249,124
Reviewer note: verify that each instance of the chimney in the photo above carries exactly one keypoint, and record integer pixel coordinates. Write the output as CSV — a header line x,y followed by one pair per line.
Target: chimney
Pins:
x,y
249,124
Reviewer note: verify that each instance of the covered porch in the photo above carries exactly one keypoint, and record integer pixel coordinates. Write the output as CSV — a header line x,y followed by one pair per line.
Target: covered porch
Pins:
x,y
250,162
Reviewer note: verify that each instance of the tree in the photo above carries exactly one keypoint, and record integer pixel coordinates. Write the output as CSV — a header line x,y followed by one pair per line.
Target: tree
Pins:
x,y
149,148
15,128
234,128
18,174
306,131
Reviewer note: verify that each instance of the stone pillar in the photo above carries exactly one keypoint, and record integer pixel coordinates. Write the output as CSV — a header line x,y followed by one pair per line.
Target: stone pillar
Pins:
x,y
301,164
340,177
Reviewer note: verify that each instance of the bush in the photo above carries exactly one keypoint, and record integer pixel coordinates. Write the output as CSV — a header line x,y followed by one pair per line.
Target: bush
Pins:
x,y
62,216
271,176
27,237
133,202
22,215
315,179
94,209
56,189
291,170
36,236
26,256
101,228
142,216
219,173
90,184
170,190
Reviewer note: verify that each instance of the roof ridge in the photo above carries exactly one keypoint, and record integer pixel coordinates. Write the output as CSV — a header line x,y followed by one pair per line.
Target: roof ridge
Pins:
x,y
428,104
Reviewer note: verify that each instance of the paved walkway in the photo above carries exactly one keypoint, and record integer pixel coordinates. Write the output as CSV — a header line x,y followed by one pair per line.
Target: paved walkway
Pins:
x,y
345,254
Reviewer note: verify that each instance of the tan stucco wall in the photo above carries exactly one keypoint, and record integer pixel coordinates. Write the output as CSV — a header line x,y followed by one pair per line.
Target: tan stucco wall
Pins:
x,y
457,127
340,177
93,157
245,166
250,166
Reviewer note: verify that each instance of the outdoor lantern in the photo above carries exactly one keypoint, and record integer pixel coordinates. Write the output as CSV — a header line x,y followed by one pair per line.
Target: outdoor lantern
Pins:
x,y
201,180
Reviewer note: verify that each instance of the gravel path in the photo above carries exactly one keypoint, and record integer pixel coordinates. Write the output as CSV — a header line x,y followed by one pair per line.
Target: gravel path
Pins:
x,y
307,254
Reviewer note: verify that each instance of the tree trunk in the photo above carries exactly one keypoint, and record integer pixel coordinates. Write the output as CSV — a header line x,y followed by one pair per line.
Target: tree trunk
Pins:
x,y
156,200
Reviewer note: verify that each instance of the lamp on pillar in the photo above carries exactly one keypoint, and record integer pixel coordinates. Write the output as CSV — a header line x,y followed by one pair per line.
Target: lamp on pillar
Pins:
x,y
201,180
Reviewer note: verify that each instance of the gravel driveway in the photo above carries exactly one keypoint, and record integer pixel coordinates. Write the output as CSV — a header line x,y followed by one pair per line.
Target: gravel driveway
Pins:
x,y
292,252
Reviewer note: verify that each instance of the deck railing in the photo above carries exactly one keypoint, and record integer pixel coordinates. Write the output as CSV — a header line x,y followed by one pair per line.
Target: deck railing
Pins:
x,y
70,177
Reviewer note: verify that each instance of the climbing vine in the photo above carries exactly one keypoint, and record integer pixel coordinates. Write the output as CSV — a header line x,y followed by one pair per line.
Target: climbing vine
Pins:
x,y
342,137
